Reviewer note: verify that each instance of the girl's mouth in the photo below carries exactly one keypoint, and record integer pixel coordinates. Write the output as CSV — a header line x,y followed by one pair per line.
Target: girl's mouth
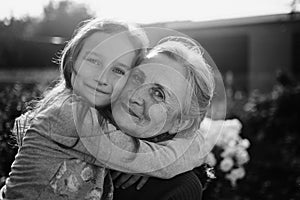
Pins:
x,y
97,89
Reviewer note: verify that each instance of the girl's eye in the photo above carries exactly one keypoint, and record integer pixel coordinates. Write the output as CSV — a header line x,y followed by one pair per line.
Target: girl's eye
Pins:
x,y
158,94
94,61
118,71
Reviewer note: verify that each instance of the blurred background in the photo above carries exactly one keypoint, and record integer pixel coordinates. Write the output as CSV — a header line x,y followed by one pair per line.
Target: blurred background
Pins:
x,y
254,43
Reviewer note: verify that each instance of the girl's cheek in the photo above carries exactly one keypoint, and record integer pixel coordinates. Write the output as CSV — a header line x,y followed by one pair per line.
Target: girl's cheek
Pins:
x,y
118,85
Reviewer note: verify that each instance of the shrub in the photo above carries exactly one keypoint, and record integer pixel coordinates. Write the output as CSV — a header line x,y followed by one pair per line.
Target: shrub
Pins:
x,y
13,98
271,123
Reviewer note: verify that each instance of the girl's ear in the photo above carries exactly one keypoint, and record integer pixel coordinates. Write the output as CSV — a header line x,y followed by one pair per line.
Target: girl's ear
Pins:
x,y
181,125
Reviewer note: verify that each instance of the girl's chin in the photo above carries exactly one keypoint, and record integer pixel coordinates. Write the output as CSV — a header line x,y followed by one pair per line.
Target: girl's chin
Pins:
x,y
99,103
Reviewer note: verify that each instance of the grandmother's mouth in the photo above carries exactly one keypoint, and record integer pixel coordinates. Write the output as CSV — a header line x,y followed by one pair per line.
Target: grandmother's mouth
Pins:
x,y
131,112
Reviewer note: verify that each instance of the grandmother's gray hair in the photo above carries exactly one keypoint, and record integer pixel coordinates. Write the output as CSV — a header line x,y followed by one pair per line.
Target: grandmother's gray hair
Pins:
x,y
199,75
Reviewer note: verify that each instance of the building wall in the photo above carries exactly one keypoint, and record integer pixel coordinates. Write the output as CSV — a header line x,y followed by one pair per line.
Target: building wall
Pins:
x,y
254,52
270,50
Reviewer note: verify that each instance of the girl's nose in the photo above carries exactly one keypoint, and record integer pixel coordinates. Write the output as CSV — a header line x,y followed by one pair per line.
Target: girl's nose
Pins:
x,y
102,79
104,84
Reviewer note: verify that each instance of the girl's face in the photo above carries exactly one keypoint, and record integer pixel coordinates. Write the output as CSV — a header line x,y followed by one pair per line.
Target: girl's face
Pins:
x,y
102,61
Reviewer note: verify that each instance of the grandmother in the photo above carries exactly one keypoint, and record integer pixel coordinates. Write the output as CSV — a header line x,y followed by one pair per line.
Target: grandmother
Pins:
x,y
165,96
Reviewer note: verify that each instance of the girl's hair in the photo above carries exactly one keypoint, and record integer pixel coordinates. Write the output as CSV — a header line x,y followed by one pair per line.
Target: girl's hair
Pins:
x,y
72,49
199,75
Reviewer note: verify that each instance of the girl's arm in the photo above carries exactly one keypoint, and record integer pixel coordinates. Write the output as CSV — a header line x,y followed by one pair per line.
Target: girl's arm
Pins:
x,y
121,152
75,125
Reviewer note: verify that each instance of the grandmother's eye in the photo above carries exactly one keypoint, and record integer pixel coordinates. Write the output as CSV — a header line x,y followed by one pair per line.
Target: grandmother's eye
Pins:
x,y
158,94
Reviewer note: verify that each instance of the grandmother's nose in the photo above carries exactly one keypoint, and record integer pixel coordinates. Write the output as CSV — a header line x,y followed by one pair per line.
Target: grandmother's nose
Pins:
x,y
141,97
137,99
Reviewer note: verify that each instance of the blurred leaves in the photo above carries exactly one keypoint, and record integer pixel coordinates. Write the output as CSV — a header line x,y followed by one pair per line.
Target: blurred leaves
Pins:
x,y
34,42
13,101
271,123
60,19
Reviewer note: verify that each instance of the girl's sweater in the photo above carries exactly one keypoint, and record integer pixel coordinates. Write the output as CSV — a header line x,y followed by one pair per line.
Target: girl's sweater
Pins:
x,y
65,154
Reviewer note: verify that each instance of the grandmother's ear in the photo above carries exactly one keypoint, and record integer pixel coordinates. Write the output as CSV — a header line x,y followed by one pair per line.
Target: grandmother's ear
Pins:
x,y
181,125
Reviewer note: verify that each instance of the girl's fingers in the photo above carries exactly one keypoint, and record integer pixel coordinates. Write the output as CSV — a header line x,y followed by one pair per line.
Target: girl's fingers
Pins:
x,y
142,182
132,180
122,179
115,175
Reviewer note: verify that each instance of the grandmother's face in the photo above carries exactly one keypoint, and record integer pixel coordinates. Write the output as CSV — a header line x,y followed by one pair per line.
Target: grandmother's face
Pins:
x,y
152,97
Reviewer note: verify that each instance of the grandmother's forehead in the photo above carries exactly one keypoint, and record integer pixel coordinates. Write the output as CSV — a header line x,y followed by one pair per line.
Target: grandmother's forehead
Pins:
x,y
161,64
156,73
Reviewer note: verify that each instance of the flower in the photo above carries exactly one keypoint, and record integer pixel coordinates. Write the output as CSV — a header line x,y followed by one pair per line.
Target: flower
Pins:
x,y
242,157
225,132
226,164
87,173
236,174
224,136
73,183
220,132
228,152
229,133
211,159
239,172
244,143
232,179
2,179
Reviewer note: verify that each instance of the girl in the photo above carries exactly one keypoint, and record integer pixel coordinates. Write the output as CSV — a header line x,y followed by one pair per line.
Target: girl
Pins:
x,y
49,165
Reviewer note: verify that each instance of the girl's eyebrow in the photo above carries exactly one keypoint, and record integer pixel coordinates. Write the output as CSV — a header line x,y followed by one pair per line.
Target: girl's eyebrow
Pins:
x,y
94,53
122,64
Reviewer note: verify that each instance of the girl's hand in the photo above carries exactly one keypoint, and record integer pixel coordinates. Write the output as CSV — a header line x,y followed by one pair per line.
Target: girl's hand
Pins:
x,y
127,180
